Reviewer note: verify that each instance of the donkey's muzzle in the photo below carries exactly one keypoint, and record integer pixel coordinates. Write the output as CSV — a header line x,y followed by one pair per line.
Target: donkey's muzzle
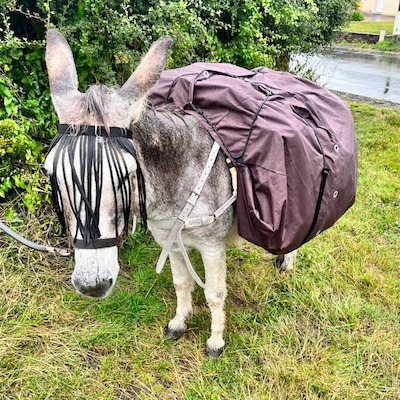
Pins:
x,y
96,271
100,289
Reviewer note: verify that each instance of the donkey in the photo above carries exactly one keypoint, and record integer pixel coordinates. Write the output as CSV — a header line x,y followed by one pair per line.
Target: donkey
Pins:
x,y
110,142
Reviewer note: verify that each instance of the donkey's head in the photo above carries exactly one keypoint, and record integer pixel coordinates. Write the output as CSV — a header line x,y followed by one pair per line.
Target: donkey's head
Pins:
x,y
91,161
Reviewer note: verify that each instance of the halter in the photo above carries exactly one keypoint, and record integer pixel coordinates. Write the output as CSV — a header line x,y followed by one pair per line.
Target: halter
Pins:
x,y
84,189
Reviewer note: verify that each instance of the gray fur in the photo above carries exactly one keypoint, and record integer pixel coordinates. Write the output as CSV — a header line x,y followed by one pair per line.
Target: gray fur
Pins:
x,y
149,70
173,148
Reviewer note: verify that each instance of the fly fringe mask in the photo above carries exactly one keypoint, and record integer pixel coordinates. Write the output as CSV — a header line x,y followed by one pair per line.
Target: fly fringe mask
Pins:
x,y
97,152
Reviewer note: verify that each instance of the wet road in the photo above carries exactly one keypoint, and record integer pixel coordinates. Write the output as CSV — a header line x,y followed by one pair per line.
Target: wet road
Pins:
x,y
375,75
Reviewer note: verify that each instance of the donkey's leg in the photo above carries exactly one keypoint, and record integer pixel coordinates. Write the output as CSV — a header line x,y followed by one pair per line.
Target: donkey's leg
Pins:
x,y
286,262
214,259
184,285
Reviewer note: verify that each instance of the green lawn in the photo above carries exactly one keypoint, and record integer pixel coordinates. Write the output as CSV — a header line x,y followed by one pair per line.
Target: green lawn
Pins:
x,y
328,330
390,44
370,27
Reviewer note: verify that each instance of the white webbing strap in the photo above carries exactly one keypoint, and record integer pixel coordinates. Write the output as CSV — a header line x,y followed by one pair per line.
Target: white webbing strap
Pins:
x,y
134,224
178,225
185,213
188,263
195,223
201,221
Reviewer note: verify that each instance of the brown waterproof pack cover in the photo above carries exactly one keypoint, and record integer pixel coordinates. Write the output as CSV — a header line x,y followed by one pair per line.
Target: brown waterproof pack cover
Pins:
x,y
292,142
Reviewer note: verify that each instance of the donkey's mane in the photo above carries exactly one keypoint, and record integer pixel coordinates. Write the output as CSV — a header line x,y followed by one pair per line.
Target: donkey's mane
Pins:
x,y
162,128
99,99
95,103
96,100
103,104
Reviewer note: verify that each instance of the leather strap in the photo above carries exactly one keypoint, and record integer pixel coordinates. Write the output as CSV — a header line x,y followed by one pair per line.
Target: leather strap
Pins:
x,y
91,130
98,243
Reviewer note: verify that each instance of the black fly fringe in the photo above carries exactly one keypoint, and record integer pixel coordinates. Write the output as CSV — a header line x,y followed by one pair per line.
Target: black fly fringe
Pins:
x,y
84,186
127,145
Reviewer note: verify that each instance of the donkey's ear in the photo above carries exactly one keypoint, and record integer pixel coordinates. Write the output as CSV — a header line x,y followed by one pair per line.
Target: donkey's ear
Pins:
x,y
149,70
60,64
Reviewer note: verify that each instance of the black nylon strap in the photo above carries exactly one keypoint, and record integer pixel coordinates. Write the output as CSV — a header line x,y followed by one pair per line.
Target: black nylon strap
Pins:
x,y
90,130
98,243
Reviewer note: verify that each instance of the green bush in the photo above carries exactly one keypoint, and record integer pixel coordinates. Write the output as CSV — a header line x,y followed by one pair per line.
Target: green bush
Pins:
x,y
19,157
390,44
27,120
108,38
356,16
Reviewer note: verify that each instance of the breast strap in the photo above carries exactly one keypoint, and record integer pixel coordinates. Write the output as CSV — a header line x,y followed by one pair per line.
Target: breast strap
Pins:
x,y
184,222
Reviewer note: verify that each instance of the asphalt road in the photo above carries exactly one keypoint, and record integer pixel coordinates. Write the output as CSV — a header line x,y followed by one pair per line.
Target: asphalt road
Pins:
x,y
374,75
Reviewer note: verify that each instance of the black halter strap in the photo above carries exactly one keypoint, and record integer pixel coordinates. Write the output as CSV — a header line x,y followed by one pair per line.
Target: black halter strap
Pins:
x,y
90,130
98,243
91,238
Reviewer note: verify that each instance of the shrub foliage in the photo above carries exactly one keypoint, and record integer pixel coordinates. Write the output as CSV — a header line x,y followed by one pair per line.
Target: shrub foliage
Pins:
x,y
108,37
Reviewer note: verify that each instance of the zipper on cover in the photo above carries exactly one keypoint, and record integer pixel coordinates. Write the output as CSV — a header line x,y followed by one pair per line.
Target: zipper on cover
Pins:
x,y
324,176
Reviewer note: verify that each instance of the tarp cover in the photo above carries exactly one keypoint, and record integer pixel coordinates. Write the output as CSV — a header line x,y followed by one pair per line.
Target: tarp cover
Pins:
x,y
292,142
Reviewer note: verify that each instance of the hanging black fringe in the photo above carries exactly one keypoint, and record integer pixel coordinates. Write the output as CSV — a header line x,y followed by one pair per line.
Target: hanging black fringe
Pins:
x,y
127,145
83,140
142,196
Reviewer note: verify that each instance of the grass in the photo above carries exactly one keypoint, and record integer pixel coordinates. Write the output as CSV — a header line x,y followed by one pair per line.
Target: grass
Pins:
x,y
387,45
390,44
328,330
370,26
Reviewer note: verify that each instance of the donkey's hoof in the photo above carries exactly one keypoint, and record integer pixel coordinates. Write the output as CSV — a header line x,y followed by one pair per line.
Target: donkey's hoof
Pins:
x,y
173,334
279,262
214,353
283,264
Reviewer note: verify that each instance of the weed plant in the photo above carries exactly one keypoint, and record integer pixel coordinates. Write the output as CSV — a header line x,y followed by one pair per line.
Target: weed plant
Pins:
x,y
328,330
391,45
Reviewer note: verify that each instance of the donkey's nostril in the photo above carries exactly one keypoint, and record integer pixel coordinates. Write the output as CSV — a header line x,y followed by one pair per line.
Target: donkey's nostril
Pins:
x,y
100,289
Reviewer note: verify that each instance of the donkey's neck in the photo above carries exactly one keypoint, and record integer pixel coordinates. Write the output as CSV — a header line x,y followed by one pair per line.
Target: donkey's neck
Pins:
x,y
172,149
